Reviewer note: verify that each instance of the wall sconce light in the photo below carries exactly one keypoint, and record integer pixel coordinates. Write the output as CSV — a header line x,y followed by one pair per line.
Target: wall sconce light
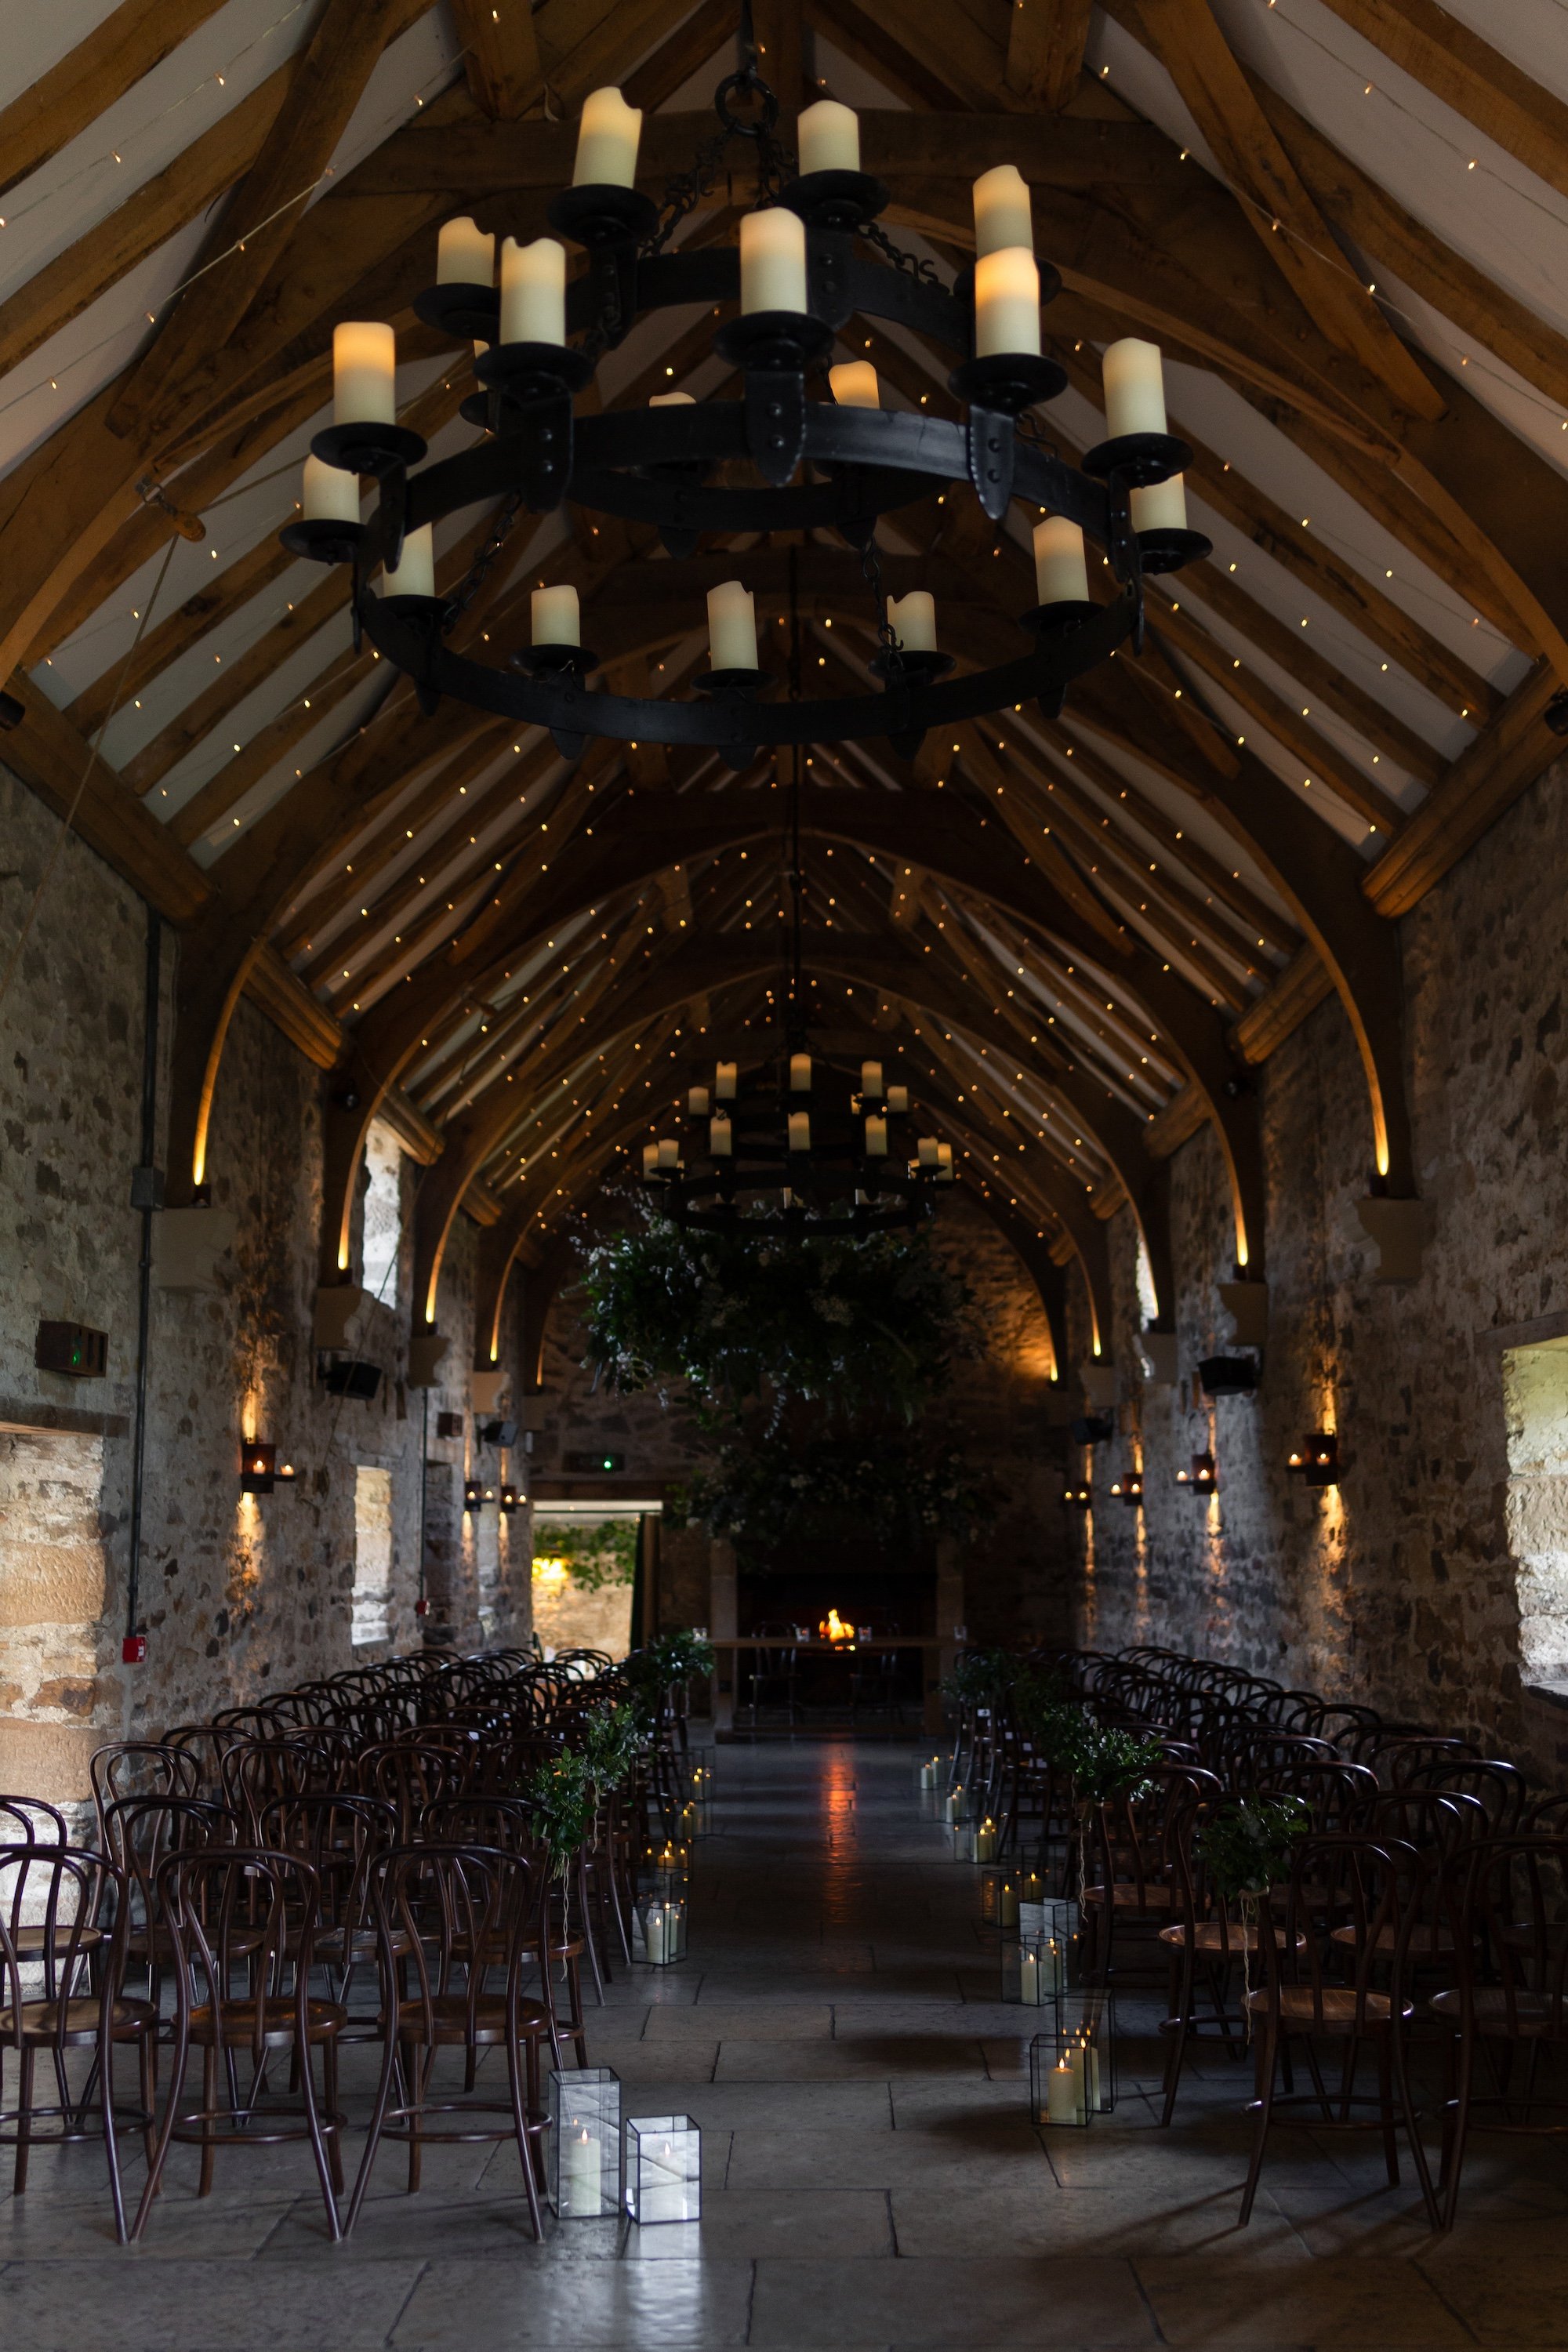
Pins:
x,y
1079,1499
257,1469
473,1495
509,1499
286,1475
1200,1479
1322,1466
1128,1487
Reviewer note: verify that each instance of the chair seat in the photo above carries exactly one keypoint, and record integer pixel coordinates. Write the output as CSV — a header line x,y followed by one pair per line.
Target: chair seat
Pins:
x,y
1125,1897
237,2019
1209,1937
1532,2015
29,1941
452,2018
1335,2008
41,2021
1423,1941
340,1944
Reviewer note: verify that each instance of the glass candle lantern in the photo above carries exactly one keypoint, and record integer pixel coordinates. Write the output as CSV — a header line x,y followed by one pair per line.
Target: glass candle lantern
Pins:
x,y
662,1925
1033,1971
584,2142
999,1898
929,1770
975,1841
957,1805
666,1865
664,2169
1058,1921
698,1801
1072,2070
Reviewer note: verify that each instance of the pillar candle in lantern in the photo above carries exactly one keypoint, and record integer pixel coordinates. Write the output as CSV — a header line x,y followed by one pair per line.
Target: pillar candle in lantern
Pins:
x,y
876,1138
800,1074
773,260
1135,387
1006,303
899,1099
465,254
1062,2102
1061,573
416,575
724,1078
580,2173
731,627
800,1130
668,1151
556,616
912,620
328,494
1161,505
365,366
828,136
607,141
697,1102
721,1142
854,385
533,291
1002,211
871,1078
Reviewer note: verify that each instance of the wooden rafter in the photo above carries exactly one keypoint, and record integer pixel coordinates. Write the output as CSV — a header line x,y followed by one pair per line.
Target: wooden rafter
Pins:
x,y
64,102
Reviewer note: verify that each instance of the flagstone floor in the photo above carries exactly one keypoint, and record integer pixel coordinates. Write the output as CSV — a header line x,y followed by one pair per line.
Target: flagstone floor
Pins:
x,y
871,2177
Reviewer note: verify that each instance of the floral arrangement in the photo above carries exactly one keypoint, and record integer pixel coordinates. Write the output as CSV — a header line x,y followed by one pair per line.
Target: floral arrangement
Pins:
x,y
1247,1845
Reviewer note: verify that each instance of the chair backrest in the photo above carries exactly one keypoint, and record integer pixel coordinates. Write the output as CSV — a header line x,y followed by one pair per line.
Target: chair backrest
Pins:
x,y
1370,1890
414,1774
1399,1751
255,1771
1139,1838
1339,1795
141,1832
437,1905
1500,1787
51,1902
1433,1820
1506,1898
27,1821
238,1916
338,1836
140,1767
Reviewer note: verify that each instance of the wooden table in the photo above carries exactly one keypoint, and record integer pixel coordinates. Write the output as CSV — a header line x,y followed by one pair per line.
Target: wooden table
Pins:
x,y
937,1655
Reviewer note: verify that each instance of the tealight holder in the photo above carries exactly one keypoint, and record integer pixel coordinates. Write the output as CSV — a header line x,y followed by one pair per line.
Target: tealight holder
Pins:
x,y
999,1899
975,1841
664,2169
1034,1970
584,2167
1072,2070
660,1928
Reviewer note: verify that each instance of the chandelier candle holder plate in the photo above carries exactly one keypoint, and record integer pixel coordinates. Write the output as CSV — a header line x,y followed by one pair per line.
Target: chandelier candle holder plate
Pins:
x,y
811,256
584,2170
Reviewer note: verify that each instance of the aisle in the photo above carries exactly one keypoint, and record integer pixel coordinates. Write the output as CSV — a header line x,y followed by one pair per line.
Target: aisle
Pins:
x,y
871,2176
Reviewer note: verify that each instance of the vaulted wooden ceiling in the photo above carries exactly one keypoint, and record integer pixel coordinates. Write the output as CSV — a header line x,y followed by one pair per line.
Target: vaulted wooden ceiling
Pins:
x,y
1346,221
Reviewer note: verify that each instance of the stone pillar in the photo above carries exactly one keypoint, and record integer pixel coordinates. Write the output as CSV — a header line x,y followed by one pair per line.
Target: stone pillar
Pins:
x,y
721,1627
452,1619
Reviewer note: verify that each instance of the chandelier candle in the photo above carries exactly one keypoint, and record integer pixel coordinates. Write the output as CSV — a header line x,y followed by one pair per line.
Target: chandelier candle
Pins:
x,y
364,368
1135,387
556,616
607,141
732,635
533,291
876,1138
697,1102
330,494
724,1078
854,385
1006,303
721,1140
1160,506
1002,211
800,1130
945,1163
898,1100
1061,571
772,261
829,138
649,1158
416,575
871,1078
465,254
912,620
800,1074
668,1151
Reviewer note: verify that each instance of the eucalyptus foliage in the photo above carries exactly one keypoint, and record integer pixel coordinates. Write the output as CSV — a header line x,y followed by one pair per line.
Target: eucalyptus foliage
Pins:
x,y
1246,1846
602,1552
561,1794
892,1485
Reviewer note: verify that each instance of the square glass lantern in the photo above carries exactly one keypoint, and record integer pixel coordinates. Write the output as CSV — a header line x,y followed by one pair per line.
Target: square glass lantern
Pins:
x,y
697,1808
1072,2070
958,1805
659,1925
584,2142
975,1841
999,1897
1034,1970
1059,1919
931,1771
665,1866
664,2169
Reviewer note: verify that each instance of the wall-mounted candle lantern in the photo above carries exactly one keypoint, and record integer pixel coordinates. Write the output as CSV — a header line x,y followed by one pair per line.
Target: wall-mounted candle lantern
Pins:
x,y
1321,1464
1128,1487
473,1495
1201,1479
1227,1375
510,1500
585,2172
257,1469
1079,1499
664,2169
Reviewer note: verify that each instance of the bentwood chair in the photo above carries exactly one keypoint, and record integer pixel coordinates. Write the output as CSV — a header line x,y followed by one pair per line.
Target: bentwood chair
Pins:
x,y
449,1918
507,1825
46,2002
241,1917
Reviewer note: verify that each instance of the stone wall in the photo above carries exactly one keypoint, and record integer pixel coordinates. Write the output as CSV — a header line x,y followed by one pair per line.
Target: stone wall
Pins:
x,y
238,1594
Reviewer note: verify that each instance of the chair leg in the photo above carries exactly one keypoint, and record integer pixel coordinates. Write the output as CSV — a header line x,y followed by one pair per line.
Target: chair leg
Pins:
x,y
1417,2152
25,2120
1265,2106
372,2137
106,2100
1459,2129
332,2129
324,2167
1385,2105
524,2137
155,2170
209,2104
1181,2011
150,2092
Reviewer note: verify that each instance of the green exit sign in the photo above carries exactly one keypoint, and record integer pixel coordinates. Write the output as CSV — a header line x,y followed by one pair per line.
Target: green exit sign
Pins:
x,y
596,1464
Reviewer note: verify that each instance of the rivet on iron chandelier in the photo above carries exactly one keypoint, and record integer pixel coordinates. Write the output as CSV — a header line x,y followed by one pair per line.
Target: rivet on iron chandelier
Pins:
x,y
810,257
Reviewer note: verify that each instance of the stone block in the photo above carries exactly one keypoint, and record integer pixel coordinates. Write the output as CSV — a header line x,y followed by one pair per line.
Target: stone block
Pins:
x,y
425,1350
188,1246
48,1759
1401,1230
51,1584
1247,1304
337,1304
487,1389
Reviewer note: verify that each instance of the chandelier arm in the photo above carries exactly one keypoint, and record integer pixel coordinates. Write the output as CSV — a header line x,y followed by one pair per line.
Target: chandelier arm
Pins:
x,y
405,630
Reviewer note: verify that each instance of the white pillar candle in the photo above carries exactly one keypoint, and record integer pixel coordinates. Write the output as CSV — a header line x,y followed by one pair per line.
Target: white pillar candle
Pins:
x,y
985,1841
533,291
653,1931
364,367
697,1102
465,254
1002,211
944,1162
899,1099
1028,1977
580,2173
1006,303
330,493
1061,2094
1135,387
1161,505
800,1130
1008,1915
828,137
649,1158
416,575
800,1074
671,400
724,1081
773,260
1080,2073
876,1138
556,616
871,1078
913,620
607,141
668,1151
854,385
721,1141
731,625
928,1151
1061,571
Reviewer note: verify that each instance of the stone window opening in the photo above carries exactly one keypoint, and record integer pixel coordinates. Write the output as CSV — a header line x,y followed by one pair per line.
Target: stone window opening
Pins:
x,y
372,1555
1535,1407
383,1242
54,1699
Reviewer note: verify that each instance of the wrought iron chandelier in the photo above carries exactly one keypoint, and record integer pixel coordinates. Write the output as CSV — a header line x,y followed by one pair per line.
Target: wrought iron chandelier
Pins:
x,y
811,256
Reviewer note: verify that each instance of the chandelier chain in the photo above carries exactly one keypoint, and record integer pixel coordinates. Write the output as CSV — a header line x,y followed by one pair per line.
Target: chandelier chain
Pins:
x,y
479,571
916,265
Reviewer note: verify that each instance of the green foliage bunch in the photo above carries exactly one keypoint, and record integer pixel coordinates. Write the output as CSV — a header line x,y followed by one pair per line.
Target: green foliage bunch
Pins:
x,y
1246,1846
777,1487
1108,1763
612,1739
602,1552
561,1796
979,1678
